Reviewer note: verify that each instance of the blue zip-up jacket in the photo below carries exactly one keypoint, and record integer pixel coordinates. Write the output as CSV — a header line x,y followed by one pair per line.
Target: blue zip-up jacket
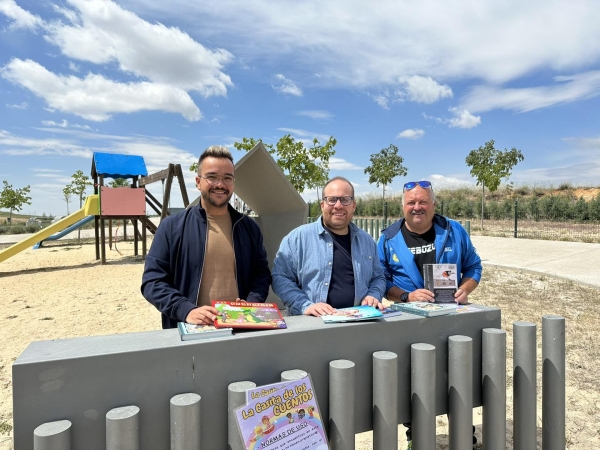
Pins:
x,y
304,263
173,269
452,246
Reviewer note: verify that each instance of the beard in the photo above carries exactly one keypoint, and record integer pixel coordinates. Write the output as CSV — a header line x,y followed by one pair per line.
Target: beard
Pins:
x,y
206,198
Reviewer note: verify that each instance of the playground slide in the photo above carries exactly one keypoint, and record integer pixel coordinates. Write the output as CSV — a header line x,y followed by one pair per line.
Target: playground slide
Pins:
x,y
90,208
66,231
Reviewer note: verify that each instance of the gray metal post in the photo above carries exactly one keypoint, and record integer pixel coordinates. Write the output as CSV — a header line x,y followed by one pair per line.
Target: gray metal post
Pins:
x,y
185,422
468,227
460,392
341,404
385,213
236,397
53,436
524,386
516,218
294,374
122,428
553,383
493,373
422,395
385,401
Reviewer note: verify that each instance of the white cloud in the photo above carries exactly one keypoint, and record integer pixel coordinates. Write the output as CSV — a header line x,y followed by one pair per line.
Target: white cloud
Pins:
x,y
95,97
317,114
422,89
566,89
342,164
411,134
22,105
306,136
102,33
51,123
283,85
21,18
463,119
382,100
446,182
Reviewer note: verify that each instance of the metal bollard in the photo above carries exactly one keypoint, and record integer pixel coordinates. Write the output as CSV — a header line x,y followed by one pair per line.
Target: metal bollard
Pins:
x,y
341,404
122,428
524,386
385,401
236,397
460,392
53,436
185,422
493,374
553,383
422,395
292,375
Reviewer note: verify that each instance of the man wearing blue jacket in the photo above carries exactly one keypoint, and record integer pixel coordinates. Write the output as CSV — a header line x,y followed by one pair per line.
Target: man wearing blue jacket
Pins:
x,y
424,237
207,252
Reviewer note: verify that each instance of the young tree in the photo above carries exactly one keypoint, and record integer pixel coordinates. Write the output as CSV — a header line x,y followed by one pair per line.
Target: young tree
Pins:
x,y
78,186
14,199
67,194
119,182
489,166
305,167
385,166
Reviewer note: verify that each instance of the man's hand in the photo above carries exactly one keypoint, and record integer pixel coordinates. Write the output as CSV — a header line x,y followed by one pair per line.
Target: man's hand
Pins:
x,y
319,309
461,297
372,301
205,315
421,295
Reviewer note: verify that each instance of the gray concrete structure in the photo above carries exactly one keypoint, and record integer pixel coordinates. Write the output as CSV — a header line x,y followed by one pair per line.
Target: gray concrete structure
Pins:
x,y
422,364
494,388
385,400
185,422
122,429
236,397
53,436
524,386
460,391
80,379
553,383
342,403
293,375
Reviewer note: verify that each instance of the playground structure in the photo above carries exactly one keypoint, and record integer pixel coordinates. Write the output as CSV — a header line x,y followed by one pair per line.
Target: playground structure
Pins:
x,y
109,204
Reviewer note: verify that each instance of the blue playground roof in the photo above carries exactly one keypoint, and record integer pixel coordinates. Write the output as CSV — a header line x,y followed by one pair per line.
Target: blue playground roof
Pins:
x,y
114,165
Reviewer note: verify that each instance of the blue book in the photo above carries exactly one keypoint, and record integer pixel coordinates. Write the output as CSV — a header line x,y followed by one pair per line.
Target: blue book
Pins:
x,y
353,314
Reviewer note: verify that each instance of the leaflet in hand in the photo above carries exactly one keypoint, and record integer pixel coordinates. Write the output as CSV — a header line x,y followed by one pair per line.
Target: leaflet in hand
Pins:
x,y
442,280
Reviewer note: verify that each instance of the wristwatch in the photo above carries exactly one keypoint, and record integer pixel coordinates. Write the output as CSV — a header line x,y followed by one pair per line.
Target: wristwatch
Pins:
x,y
404,297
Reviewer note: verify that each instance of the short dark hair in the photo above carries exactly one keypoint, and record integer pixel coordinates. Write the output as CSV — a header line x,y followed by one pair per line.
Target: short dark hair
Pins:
x,y
340,179
215,151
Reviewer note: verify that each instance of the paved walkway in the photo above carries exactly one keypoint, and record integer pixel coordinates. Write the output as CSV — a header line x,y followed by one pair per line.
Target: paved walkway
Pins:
x,y
576,261
573,260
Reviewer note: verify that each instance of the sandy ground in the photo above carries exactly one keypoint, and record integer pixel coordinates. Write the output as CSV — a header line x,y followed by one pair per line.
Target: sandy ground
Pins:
x,y
62,291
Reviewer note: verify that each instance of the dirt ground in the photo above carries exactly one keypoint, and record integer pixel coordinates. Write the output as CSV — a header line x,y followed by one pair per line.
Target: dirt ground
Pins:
x,y
61,292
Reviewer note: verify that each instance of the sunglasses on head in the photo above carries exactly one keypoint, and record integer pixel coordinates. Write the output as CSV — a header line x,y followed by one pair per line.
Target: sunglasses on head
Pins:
x,y
413,184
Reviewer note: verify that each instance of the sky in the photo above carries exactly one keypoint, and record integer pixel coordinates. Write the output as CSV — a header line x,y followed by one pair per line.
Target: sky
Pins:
x,y
165,80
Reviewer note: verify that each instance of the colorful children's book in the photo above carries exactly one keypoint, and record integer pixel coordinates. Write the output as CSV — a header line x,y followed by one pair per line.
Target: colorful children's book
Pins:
x,y
425,309
190,332
283,416
256,316
441,279
353,314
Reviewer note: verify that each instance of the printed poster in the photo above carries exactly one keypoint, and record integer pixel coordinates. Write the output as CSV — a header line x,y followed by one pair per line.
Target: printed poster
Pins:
x,y
282,416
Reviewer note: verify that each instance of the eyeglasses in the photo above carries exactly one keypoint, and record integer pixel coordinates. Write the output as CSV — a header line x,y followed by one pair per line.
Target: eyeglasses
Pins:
x,y
413,184
214,179
331,201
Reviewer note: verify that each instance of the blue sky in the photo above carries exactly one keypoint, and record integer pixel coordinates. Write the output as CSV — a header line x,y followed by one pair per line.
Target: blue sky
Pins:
x,y
165,80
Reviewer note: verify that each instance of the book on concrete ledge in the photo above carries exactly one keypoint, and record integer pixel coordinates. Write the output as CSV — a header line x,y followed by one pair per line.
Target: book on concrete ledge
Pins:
x,y
441,279
254,316
425,309
190,332
389,312
353,314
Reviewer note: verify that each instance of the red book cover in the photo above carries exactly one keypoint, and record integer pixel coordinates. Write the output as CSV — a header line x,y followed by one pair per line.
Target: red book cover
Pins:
x,y
255,316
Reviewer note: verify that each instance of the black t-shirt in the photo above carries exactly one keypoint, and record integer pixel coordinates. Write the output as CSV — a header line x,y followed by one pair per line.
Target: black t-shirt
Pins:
x,y
341,287
421,245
